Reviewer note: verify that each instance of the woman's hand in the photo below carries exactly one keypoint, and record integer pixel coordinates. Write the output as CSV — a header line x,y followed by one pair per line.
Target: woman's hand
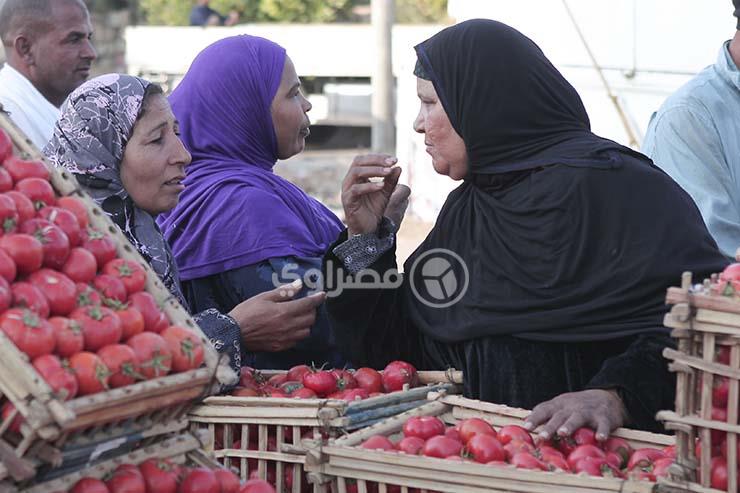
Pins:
x,y
272,321
602,410
365,202
397,204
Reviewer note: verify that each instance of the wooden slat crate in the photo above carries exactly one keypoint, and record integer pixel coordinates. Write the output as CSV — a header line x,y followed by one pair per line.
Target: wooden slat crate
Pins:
x,y
184,448
51,424
267,433
703,322
342,463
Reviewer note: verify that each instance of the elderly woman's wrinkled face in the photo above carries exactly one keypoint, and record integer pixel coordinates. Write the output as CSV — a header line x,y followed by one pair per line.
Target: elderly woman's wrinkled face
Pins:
x,y
447,148
289,117
153,166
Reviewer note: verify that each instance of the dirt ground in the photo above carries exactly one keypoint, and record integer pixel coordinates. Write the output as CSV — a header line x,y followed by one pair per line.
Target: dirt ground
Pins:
x,y
320,174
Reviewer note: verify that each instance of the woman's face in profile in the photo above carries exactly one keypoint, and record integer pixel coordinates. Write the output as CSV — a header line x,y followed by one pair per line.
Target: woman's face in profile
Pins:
x,y
289,114
153,165
447,148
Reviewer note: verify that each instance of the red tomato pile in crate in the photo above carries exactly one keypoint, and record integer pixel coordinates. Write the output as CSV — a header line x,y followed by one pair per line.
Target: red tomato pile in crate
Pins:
x,y
475,440
306,382
78,312
164,476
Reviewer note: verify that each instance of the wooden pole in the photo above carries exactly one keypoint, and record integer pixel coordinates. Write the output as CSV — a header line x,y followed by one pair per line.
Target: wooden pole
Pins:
x,y
382,80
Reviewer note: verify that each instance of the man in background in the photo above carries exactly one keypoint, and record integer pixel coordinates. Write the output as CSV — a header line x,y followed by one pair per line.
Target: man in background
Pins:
x,y
695,138
203,15
48,55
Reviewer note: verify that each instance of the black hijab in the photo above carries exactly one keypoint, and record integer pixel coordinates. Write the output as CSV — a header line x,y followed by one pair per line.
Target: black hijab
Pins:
x,y
566,236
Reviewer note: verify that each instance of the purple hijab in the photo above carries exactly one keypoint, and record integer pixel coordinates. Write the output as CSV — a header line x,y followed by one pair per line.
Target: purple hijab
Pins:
x,y
235,211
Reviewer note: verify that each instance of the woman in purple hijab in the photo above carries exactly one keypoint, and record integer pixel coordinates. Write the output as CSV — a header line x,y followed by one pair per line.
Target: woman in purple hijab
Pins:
x,y
238,226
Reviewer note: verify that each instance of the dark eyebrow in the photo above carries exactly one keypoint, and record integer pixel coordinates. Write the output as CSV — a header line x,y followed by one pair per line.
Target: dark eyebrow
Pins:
x,y
294,87
157,128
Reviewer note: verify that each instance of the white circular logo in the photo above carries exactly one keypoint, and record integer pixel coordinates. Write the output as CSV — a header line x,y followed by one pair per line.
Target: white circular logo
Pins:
x,y
440,269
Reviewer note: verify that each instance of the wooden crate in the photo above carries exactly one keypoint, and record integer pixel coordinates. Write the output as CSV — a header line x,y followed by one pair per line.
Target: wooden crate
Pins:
x,y
234,422
51,424
702,322
184,448
342,462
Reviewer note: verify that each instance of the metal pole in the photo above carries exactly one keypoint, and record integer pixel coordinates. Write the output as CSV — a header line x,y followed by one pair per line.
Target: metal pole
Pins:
x,y
382,80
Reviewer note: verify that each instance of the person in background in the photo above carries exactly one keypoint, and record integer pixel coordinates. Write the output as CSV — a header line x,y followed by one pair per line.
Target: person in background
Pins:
x,y
694,138
48,53
203,15
239,226
118,136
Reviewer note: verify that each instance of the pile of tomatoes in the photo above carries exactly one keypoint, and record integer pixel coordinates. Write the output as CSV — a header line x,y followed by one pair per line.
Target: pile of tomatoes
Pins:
x,y
164,476
475,440
78,312
307,382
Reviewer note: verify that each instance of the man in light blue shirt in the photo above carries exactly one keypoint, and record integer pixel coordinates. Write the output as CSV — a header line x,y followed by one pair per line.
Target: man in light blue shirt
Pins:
x,y
695,138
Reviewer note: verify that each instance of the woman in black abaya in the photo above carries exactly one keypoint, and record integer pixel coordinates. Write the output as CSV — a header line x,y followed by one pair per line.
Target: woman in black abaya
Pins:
x,y
568,241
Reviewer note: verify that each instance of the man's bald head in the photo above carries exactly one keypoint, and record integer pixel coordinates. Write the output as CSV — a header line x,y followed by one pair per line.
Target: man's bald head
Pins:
x,y
29,18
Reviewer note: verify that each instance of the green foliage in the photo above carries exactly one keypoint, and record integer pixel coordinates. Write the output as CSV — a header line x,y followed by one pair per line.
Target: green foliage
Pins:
x,y
421,11
166,12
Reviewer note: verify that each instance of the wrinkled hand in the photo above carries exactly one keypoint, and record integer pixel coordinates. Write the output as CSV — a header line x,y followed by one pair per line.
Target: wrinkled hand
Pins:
x,y
397,204
272,321
601,410
365,202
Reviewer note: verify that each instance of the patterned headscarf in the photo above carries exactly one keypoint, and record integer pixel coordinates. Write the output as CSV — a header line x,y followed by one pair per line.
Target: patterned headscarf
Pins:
x,y
89,140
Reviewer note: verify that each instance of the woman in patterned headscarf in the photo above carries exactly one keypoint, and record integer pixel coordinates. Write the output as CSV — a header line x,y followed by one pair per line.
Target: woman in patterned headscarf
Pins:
x,y
118,136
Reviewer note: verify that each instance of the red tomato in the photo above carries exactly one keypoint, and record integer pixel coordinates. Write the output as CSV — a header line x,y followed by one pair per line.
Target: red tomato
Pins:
x,y
64,220
644,457
87,296
26,251
441,447
6,295
185,346
369,379
273,392
410,445
397,374
30,333
6,181
320,381
554,461
484,448
473,426
718,473
296,373
9,217
584,451
126,480
453,433
23,205
720,391
378,442
228,480
7,267
100,245
160,475
200,480
27,295
38,190
619,446
424,427
6,146
89,485
304,393
660,467
277,380
76,207
68,334
154,319
513,432
58,289
245,392
91,373
670,451
153,353
132,322
718,414
257,486
81,265
345,379
596,466
100,326
131,274
515,446
567,444
54,242
525,460
110,287
20,169
290,387
250,378
122,364
352,395
60,379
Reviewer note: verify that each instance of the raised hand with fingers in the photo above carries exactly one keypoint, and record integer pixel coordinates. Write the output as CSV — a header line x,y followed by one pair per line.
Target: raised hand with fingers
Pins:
x,y
365,202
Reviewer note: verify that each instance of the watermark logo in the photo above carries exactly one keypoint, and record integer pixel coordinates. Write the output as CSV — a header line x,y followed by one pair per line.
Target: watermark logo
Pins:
x,y
439,278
